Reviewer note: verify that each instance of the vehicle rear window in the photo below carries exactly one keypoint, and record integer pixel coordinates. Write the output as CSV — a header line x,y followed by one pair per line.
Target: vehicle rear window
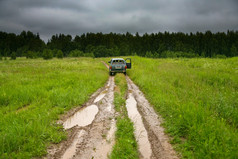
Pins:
x,y
118,62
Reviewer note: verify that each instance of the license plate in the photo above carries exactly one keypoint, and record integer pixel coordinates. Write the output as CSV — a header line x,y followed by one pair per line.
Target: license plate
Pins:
x,y
118,67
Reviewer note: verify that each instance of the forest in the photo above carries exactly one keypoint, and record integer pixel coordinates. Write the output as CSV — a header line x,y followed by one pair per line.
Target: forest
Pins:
x,y
154,45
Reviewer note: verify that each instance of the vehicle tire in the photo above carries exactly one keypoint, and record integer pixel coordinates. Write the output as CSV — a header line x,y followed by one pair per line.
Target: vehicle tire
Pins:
x,y
110,73
124,73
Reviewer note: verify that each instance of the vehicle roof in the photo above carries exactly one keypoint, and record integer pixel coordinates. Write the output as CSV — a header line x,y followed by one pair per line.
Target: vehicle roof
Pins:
x,y
118,59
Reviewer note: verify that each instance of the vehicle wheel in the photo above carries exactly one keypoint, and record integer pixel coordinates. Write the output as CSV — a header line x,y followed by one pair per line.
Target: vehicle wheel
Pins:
x,y
125,73
110,73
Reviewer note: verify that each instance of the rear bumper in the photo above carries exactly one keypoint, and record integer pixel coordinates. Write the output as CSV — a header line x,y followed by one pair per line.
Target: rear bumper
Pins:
x,y
113,70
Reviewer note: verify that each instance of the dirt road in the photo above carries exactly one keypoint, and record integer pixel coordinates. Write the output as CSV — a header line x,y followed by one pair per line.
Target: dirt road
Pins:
x,y
92,128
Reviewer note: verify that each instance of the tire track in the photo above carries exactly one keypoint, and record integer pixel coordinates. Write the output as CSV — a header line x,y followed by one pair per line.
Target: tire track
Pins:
x,y
91,135
158,140
153,143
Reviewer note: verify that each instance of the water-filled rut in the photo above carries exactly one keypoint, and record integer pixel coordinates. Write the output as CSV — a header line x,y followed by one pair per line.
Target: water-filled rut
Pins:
x,y
140,131
149,123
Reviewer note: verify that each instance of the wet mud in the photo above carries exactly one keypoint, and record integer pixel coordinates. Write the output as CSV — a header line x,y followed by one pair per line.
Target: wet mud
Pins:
x,y
140,131
158,140
71,151
91,128
82,118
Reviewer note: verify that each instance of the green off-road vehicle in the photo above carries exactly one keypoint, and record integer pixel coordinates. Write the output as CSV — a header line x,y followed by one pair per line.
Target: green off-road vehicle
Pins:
x,y
119,65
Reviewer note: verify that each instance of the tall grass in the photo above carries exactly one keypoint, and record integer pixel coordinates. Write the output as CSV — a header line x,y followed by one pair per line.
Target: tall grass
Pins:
x,y
198,100
33,93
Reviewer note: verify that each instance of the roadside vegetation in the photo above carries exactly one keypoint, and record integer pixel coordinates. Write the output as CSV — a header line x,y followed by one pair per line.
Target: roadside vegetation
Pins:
x,y
126,146
197,99
33,93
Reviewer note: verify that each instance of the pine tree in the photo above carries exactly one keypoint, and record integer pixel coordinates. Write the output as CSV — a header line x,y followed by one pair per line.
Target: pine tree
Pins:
x,y
60,54
234,51
47,54
13,56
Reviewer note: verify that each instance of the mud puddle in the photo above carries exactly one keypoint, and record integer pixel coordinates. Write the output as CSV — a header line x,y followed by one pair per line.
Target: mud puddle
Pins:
x,y
158,145
91,129
82,118
140,131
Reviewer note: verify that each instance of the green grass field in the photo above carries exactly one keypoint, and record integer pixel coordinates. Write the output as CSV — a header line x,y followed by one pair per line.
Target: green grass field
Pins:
x,y
198,99
33,93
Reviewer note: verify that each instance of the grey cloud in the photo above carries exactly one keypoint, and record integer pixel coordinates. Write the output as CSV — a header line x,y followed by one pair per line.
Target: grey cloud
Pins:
x,y
79,16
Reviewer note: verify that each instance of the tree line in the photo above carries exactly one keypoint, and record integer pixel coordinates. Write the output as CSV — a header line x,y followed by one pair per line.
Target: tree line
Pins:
x,y
154,45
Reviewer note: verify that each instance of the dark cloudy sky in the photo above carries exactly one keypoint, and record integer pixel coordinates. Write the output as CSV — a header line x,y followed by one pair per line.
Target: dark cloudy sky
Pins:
x,y
75,17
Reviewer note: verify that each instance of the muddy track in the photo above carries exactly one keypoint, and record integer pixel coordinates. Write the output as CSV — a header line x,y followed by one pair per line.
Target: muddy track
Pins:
x,y
151,126
91,128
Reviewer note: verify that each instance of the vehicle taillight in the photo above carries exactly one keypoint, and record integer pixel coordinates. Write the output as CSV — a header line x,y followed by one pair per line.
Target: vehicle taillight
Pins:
x,y
126,67
110,67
